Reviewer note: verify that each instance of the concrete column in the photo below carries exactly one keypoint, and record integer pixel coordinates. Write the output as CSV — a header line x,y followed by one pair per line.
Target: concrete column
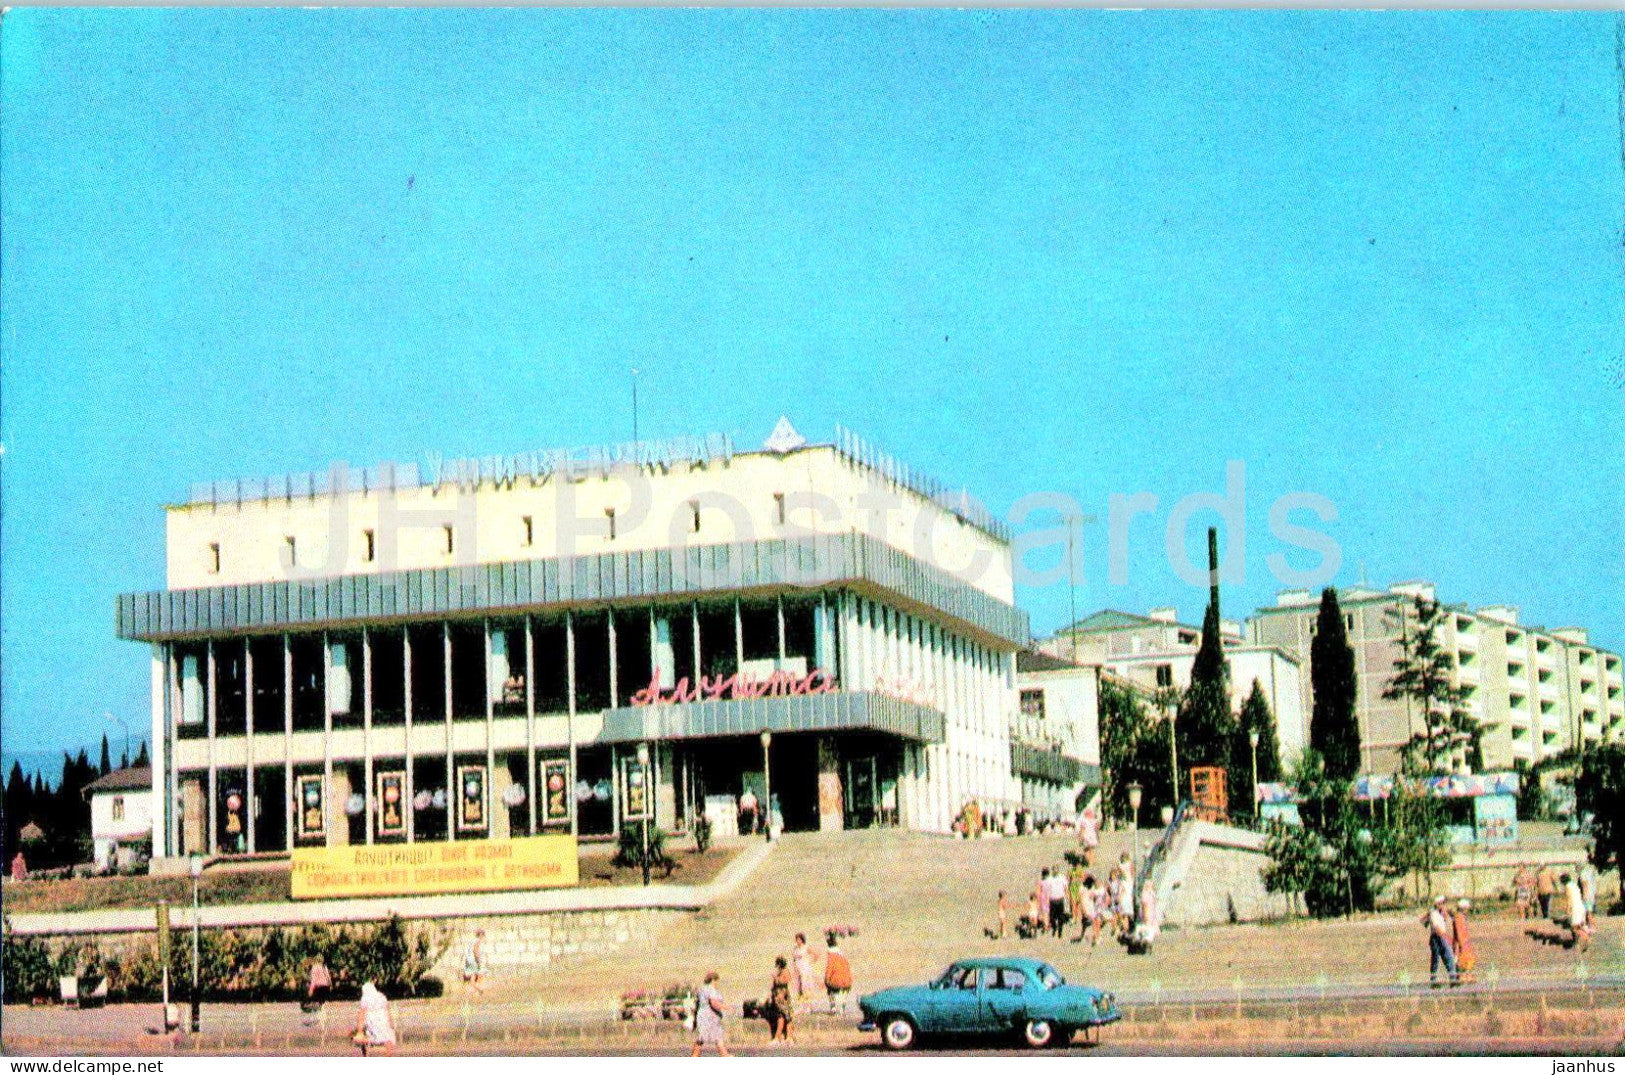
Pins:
x,y
497,827
411,759
369,784
163,799
665,786
287,741
831,809
251,796
213,804
532,781
338,821
451,760
192,814
570,720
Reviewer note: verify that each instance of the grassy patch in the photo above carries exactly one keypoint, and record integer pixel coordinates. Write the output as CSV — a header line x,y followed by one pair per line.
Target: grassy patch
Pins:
x,y
110,893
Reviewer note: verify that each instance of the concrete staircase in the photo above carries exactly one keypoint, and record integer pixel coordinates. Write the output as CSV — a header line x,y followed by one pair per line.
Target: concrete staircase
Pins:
x,y
917,901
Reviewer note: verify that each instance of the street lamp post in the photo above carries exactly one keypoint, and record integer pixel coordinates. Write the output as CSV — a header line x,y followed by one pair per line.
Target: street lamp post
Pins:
x,y
643,769
197,875
1252,737
767,787
1134,793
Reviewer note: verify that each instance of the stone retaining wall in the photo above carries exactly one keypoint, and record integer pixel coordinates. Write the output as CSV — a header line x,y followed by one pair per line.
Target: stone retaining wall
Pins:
x,y
533,940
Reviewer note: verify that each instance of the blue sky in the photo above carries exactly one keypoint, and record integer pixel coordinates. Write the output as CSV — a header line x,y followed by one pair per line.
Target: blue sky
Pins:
x,y
1372,256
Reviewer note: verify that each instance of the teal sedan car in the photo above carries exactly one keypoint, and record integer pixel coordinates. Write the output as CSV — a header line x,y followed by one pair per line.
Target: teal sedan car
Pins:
x,y
993,995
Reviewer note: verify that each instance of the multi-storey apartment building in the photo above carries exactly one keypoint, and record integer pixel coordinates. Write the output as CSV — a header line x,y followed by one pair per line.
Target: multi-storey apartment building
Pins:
x,y
385,656
1156,651
1534,691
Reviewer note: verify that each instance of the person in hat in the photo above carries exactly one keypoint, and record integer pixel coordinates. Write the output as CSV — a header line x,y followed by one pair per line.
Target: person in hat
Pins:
x,y
1461,940
1440,951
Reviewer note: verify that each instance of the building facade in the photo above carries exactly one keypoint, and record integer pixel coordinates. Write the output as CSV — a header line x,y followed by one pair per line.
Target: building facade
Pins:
x,y
1534,691
548,642
120,814
1157,652
1056,745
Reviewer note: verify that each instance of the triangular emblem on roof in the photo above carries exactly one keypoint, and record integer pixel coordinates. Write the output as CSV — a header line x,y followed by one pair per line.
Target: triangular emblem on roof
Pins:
x,y
784,438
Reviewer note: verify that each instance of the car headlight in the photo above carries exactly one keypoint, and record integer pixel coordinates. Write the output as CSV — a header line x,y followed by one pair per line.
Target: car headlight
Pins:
x,y
1106,1002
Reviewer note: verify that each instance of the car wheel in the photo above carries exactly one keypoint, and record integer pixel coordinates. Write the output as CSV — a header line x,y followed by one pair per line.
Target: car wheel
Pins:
x,y
1038,1033
897,1032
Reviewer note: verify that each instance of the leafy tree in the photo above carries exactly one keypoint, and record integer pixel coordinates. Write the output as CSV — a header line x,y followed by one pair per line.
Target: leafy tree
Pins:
x,y
1600,790
1422,675
1133,750
1205,725
1333,731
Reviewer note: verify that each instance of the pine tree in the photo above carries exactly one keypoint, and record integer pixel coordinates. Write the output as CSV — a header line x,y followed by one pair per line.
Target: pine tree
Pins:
x,y
1256,716
1333,731
107,761
1422,674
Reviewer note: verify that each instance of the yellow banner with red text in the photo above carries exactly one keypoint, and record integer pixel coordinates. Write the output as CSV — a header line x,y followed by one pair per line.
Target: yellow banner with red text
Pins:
x,y
423,869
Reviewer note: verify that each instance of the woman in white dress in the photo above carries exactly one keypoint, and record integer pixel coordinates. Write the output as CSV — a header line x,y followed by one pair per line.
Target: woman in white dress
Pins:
x,y
373,1029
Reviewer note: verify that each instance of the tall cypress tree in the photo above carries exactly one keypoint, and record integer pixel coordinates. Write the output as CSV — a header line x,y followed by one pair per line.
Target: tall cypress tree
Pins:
x,y
1205,724
1333,731
141,755
107,759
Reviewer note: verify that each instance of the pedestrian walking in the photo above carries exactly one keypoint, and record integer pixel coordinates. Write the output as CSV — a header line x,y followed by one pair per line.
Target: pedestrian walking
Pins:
x,y
1041,898
801,966
1545,888
1441,954
1089,835
474,963
781,1009
1578,920
1523,892
1074,892
1089,912
1461,941
837,975
747,812
1055,896
1588,886
708,1010
374,1029
1113,899
1004,914
319,987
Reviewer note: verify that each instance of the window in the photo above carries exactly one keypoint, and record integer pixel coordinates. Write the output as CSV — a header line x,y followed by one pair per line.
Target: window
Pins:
x,y
1032,703
118,804
1348,621
369,548
1514,638
694,515
214,557
292,548
1165,675
1585,656
1008,978
609,514
778,508
450,539
527,531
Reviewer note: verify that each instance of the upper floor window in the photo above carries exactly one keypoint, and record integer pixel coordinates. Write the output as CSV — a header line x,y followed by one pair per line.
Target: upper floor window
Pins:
x,y
609,515
527,530
450,536
1032,703
694,516
1165,675
214,557
778,508
292,547
369,547
118,808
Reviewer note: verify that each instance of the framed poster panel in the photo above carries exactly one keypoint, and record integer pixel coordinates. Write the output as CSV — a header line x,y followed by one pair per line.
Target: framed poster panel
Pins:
x,y
311,795
472,806
389,798
555,785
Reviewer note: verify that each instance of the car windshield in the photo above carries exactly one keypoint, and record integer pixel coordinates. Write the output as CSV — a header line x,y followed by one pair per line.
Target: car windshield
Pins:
x,y
1049,977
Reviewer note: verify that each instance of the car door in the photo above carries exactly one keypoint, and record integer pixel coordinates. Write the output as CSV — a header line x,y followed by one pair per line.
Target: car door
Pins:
x,y
956,1007
1004,997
